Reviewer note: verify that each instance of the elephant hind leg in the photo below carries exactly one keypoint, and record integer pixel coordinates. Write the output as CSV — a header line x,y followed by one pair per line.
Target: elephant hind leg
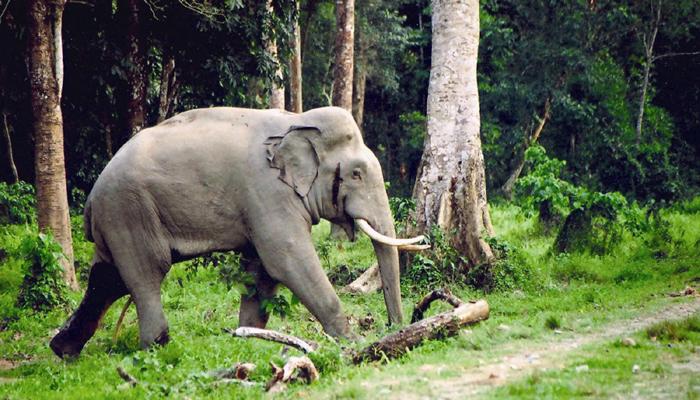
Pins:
x,y
105,286
252,312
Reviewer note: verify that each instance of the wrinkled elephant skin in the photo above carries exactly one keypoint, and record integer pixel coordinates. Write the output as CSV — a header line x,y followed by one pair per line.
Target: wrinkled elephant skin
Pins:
x,y
219,179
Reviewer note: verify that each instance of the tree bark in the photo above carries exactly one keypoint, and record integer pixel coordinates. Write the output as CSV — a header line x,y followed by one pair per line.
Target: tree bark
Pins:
x,y
133,98
45,52
343,52
276,90
167,86
343,69
648,61
507,188
451,186
295,76
359,82
8,145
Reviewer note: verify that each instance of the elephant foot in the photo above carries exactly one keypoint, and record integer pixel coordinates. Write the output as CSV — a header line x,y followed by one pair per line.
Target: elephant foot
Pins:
x,y
65,346
160,340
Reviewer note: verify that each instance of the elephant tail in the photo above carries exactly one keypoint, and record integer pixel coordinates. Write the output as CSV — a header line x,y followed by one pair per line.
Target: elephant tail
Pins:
x,y
87,220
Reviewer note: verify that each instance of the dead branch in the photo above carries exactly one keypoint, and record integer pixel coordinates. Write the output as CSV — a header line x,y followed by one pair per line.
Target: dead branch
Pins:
x,y
240,371
440,294
281,376
439,326
121,319
245,331
127,377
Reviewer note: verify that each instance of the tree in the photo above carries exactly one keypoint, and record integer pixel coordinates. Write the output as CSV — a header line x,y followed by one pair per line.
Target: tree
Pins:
x,y
343,53
450,190
133,91
276,89
295,77
343,67
45,68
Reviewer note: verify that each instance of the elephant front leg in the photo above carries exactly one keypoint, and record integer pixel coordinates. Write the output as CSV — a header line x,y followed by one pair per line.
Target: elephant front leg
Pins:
x,y
252,312
288,256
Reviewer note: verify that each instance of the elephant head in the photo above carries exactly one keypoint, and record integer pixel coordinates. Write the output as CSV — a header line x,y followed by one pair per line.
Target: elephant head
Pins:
x,y
337,177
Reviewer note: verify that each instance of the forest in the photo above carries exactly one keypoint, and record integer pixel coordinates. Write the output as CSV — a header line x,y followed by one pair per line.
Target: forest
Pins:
x,y
544,155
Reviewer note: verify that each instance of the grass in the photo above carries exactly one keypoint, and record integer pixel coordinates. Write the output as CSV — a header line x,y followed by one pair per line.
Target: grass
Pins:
x,y
571,293
663,361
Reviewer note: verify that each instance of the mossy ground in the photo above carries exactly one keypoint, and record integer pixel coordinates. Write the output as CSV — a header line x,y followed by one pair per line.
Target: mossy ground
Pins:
x,y
570,293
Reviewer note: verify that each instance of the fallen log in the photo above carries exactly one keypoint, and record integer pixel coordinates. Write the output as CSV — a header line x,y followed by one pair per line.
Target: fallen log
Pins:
x,y
438,326
302,366
440,294
246,331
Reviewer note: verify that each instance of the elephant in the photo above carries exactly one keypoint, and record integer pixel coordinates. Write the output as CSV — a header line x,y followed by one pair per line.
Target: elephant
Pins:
x,y
232,179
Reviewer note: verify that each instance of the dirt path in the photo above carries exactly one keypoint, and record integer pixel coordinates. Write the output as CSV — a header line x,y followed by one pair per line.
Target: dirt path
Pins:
x,y
521,360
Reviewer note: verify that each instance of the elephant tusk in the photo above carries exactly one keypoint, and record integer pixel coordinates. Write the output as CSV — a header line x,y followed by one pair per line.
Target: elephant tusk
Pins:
x,y
414,247
374,235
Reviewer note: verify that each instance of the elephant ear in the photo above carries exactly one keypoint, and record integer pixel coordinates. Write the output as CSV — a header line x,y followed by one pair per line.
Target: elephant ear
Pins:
x,y
295,155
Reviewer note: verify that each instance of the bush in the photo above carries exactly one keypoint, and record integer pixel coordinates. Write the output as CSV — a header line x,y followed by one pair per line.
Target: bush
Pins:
x,y
438,267
507,271
17,203
43,287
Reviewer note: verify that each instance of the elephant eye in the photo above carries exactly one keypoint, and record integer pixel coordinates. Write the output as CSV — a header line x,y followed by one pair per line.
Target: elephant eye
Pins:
x,y
356,173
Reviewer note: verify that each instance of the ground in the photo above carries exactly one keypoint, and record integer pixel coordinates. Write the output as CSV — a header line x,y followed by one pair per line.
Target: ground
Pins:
x,y
556,334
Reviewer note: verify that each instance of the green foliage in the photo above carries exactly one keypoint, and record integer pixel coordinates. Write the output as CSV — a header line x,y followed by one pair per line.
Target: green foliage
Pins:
x,y
437,267
281,305
552,322
17,203
228,266
594,220
43,287
507,271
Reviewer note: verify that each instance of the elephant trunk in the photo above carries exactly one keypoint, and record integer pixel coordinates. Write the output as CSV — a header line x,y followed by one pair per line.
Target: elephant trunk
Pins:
x,y
388,259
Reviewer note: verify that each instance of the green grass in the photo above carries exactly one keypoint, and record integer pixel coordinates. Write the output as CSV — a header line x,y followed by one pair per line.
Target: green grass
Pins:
x,y
664,362
569,293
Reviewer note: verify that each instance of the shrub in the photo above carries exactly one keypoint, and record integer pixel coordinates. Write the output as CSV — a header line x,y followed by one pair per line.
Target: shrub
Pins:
x,y
438,267
507,271
43,287
17,203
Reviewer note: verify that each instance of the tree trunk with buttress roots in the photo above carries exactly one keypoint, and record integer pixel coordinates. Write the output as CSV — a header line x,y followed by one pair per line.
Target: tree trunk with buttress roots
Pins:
x,y
451,189
343,68
45,66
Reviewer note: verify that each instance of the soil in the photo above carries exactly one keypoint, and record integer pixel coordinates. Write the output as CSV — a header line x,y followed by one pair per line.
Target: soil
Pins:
x,y
520,361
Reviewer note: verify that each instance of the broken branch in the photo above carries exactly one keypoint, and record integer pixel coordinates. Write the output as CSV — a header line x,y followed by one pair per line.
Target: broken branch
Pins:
x,y
127,377
245,331
240,371
440,294
280,376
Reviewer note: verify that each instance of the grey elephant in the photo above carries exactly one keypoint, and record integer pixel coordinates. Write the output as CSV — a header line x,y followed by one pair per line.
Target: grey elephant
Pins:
x,y
219,179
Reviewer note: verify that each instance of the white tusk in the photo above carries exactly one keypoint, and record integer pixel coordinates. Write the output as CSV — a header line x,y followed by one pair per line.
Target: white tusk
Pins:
x,y
374,235
413,247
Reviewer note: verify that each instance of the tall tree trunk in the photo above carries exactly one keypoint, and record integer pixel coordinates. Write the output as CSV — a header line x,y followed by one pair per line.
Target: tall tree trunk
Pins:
x,y
276,89
343,68
507,188
359,82
451,187
295,85
648,61
45,65
133,98
8,146
343,52
167,86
